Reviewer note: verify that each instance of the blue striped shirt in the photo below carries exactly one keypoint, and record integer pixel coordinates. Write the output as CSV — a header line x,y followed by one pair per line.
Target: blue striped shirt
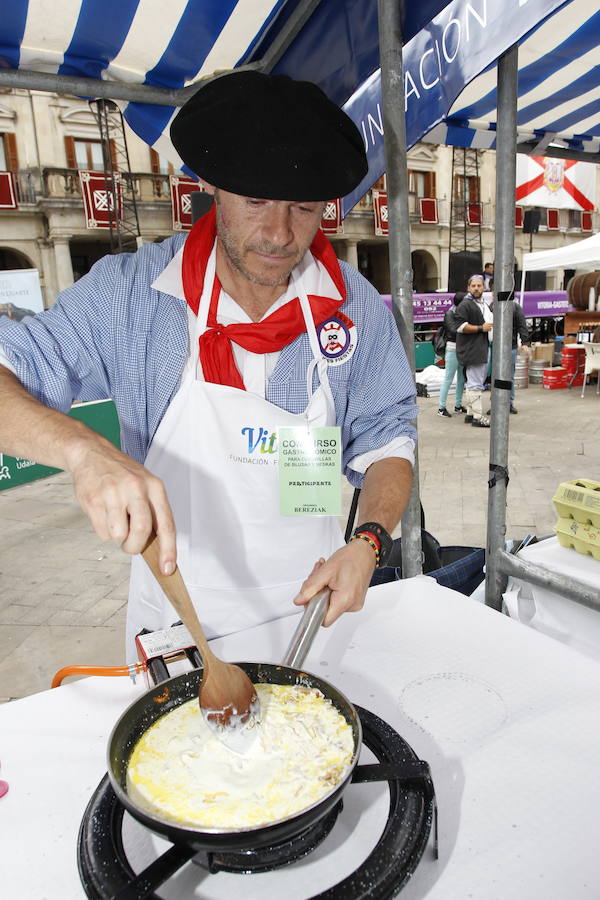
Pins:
x,y
112,335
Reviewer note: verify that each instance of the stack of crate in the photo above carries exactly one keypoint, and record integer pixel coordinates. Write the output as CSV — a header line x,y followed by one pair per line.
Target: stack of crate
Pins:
x,y
569,373
573,360
555,379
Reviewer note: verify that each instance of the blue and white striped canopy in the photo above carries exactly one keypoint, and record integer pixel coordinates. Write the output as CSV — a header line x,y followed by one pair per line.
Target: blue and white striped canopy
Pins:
x,y
559,87
449,56
174,44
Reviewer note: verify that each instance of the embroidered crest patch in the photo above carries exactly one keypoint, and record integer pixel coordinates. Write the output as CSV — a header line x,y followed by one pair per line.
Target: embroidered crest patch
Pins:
x,y
337,337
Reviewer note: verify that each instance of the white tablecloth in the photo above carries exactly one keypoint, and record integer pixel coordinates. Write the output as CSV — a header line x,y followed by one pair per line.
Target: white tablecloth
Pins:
x,y
507,718
549,611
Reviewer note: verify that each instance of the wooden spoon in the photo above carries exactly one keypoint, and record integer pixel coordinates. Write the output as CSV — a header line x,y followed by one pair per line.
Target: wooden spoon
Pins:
x,y
227,696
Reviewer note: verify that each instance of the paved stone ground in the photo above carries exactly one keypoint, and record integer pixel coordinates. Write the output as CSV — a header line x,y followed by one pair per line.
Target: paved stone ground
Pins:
x,y
63,593
555,437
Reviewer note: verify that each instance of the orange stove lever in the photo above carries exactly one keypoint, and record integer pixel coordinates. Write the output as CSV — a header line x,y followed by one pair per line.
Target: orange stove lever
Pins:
x,y
111,671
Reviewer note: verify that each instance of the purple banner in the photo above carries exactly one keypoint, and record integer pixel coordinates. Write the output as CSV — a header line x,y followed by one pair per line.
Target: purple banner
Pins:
x,y
426,307
540,304
537,304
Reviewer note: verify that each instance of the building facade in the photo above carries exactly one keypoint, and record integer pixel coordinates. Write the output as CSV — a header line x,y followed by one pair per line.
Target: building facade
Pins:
x,y
47,139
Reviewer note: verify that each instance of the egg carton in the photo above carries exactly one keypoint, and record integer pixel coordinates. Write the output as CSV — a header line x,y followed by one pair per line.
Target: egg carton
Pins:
x,y
579,500
584,539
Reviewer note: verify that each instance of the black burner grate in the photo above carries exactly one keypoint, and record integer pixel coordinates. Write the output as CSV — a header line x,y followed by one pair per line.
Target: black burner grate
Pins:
x,y
106,873
265,859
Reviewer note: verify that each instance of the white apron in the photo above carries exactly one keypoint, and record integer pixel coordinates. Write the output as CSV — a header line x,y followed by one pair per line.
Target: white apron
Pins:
x,y
242,561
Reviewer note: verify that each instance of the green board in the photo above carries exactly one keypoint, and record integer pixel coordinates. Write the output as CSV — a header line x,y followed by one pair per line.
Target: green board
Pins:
x,y
424,354
99,415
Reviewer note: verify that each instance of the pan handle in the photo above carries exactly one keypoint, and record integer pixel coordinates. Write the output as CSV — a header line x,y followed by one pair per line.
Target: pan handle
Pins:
x,y
304,635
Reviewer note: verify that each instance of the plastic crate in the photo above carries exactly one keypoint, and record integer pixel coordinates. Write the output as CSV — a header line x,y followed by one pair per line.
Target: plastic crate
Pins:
x,y
556,379
584,539
579,500
573,358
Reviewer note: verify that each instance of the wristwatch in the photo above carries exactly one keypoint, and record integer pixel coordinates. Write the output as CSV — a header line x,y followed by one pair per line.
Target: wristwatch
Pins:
x,y
385,540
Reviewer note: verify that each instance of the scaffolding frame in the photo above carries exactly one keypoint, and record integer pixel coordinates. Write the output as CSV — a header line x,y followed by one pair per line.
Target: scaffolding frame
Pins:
x,y
124,224
464,236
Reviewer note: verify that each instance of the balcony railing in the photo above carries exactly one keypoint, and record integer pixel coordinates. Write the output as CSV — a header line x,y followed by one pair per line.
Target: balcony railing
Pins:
x,y
146,186
365,204
26,185
61,183
64,183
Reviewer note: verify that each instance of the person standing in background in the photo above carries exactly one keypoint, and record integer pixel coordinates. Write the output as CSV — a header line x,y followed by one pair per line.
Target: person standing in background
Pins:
x,y
452,367
488,276
474,322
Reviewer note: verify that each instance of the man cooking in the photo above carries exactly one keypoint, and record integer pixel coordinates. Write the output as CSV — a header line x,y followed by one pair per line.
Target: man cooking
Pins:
x,y
210,344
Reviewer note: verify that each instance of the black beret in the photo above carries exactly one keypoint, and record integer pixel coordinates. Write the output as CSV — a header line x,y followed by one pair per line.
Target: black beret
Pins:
x,y
270,137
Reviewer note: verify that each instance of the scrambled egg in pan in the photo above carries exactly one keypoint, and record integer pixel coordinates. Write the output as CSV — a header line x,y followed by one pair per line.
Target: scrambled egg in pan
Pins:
x,y
181,771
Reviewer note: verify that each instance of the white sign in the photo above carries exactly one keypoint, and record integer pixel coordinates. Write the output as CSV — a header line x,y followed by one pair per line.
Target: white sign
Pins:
x,y
20,293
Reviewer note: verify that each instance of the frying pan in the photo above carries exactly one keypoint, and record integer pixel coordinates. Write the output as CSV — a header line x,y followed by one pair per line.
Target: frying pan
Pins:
x,y
167,695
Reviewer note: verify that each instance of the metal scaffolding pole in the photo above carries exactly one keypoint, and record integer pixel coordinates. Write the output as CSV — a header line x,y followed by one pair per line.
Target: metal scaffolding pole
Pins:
x,y
506,148
585,594
394,124
95,87
499,563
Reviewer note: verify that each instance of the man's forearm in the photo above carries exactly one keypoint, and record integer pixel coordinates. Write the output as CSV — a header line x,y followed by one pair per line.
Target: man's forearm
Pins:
x,y
348,571
31,430
123,500
385,492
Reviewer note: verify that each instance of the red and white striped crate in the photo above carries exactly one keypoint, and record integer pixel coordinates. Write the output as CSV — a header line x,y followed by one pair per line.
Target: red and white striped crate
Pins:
x,y
573,358
556,379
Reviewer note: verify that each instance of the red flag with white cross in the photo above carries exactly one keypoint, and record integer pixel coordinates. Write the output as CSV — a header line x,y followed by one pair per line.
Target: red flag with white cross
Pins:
x,y
555,183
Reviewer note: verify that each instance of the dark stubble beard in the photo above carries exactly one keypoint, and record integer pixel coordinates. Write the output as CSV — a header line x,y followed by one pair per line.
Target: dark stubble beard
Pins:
x,y
235,256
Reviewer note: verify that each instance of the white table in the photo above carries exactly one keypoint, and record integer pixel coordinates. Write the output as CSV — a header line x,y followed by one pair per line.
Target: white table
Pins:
x,y
549,611
507,718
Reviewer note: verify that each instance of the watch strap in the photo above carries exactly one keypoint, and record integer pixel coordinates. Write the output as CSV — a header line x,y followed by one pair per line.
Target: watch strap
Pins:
x,y
385,540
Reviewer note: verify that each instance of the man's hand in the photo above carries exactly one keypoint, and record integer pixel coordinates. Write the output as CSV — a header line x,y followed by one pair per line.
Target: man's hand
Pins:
x,y
487,326
123,500
385,493
348,573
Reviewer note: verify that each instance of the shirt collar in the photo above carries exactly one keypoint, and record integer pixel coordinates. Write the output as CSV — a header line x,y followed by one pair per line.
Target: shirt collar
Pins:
x,y
315,279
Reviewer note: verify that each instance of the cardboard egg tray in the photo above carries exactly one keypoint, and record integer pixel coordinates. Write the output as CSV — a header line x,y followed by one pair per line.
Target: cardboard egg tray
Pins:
x,y
579,500
582,538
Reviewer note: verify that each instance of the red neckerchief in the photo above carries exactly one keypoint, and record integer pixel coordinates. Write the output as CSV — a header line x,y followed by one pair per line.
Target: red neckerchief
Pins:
x,y
273,333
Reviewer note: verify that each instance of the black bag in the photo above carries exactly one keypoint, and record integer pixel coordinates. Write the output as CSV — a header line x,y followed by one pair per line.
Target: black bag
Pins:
x,y
430,548
439,341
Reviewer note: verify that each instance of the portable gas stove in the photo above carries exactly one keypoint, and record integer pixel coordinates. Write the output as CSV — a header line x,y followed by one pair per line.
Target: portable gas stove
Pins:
x,y
120,858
